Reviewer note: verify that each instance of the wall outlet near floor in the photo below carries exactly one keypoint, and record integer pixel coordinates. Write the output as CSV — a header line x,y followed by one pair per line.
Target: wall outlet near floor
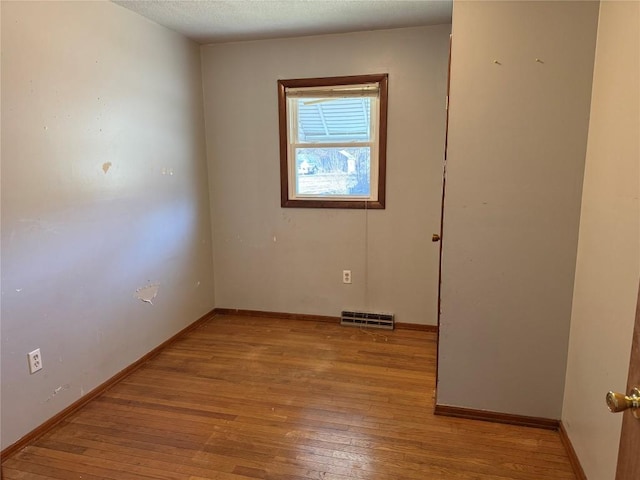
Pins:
x,y
35,361
346,276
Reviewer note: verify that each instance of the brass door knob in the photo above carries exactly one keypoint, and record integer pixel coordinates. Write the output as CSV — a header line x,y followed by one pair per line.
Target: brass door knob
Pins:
x,y
435,237
618,402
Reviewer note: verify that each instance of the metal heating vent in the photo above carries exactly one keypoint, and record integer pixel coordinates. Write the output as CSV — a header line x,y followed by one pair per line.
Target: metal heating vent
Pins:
x,y
367,319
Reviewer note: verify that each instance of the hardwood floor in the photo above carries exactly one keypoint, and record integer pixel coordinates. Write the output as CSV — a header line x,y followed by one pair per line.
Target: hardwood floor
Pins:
x,y
246,398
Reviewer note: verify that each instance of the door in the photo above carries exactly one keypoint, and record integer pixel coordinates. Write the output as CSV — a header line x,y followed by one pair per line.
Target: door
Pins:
x,y
438,237
628,457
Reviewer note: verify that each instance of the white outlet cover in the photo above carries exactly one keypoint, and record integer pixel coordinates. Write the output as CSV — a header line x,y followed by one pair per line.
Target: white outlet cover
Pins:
x,y
35,361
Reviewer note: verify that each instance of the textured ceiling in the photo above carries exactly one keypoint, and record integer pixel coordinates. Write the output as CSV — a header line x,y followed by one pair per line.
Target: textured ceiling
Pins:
x,y
214,21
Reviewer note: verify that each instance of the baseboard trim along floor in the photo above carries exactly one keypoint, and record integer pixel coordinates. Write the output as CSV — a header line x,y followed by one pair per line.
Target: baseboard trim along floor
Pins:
x,y
520,420
497,417
573,457
313,318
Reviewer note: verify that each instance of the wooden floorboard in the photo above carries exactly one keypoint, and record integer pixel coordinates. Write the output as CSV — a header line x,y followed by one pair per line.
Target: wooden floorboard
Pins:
x,y
279,399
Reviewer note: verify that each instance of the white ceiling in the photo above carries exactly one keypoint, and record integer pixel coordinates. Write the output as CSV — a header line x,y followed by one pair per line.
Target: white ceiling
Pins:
x,y
215,21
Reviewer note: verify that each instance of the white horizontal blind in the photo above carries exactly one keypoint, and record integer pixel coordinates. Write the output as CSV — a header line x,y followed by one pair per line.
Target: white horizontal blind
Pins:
x,y
336,91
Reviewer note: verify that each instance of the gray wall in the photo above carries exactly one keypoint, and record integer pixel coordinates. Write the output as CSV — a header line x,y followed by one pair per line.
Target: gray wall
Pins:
x,y
104,190
291,260
517,141
608,265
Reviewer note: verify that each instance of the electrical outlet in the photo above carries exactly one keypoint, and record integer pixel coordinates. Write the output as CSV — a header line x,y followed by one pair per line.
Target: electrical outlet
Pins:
x,y
35,361
346,276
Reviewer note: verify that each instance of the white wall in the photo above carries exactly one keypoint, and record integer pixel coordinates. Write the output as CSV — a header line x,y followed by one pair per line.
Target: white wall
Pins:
x,y
85,85
608,266
517,141
291,260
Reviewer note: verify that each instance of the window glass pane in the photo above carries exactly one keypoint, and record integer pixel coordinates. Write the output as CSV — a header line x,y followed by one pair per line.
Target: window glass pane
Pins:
x,y
335,171
332,120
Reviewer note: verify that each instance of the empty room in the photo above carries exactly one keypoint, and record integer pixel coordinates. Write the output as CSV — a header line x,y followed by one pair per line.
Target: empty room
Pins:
x,y
320,240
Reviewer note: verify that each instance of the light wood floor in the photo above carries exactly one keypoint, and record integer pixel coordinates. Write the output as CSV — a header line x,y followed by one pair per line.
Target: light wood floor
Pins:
x,y
247,398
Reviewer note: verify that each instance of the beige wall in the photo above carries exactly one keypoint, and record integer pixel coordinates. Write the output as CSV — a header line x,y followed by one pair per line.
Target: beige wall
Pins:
x,y
517,141
291,260
85,85
608,266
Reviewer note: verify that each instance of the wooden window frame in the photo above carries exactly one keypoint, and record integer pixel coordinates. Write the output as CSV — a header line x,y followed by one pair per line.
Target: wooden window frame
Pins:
x,y
382,80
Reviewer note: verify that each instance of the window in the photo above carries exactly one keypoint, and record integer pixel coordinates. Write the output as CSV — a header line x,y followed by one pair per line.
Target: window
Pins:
x,y
333,139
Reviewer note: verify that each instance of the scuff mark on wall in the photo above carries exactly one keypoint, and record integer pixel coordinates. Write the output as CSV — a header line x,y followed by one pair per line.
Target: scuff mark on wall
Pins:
x,y
148,293
106,166
61,388
35,225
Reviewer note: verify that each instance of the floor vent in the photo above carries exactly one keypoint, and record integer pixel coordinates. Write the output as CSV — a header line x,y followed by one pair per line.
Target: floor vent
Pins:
x,y
366,319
